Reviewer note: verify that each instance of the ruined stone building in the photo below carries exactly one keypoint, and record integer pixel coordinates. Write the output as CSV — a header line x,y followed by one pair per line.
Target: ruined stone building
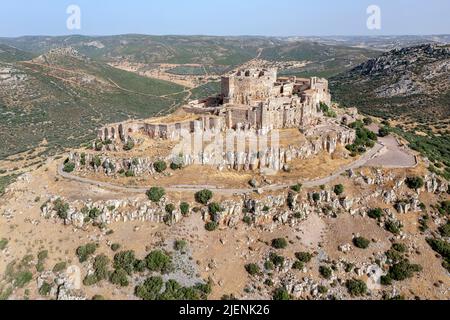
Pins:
x,y
250,99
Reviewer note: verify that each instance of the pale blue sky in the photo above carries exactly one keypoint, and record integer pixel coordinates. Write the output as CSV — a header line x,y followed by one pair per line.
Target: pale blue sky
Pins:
x,y
224,17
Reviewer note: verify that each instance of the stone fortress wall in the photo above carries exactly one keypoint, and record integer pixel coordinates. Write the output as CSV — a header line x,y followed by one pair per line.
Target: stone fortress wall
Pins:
x,y
252,101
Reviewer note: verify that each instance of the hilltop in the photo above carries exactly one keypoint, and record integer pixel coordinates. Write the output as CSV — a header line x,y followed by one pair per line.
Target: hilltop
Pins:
x,y
411,82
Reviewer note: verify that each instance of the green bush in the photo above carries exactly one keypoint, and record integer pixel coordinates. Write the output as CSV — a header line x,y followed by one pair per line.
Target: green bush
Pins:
x,y
119,278
247,220
276,259
269,265
386,280
84,252
180,245
61,208
253,269
403,270
22,278
394,227
298,265
297,187
100,265
160,166
443,248
170,208
361,243
184,208
150,289
414,183
155,194
115,247
140,266
281,294
325,272
445,230
125,260
214,208
3,243
375,213
211,226
158,261
316,197
203,196
304,257
45,289
59,267
176,166
279,243
356,287
69,167
399,247
384,132
339,189
129,145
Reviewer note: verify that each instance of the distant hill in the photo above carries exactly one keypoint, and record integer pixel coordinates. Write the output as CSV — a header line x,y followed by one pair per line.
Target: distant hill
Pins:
x,y
207,50
63,96
412,82
11,54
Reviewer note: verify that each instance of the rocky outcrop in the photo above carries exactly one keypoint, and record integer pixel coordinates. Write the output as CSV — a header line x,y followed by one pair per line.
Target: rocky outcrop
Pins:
x,y
82,213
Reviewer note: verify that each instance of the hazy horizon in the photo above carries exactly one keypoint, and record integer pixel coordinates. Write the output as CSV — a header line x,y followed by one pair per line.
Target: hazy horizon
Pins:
x,y
283,18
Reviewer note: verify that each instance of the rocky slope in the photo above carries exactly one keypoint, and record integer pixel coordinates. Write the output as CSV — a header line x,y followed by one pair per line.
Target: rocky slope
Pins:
x,y
412,82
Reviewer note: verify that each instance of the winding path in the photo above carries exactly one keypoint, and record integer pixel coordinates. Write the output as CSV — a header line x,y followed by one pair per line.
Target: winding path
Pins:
x,y
371,154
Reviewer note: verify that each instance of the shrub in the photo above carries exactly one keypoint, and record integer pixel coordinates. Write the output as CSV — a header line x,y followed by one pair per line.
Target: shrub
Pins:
x,y
155,194
184,208
211,226
247,220
100,265
129,145
297,187
176,166
393,227
253,269
59,267
84,252
140,266
61,208
361,243
158,261
119,278
214,208
316,197
356,287
298,265
322,289
268,265
203,196
45,289
386,280
304,257
399,247
150,289
414,183
281,294
403,270
125,260
339,189
98,297
3,243
375,213
115,247
279,243
445,230
443,248
22,278
69,167
170,208
325,272
367,121
160,166
180,245
384,132
276,259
